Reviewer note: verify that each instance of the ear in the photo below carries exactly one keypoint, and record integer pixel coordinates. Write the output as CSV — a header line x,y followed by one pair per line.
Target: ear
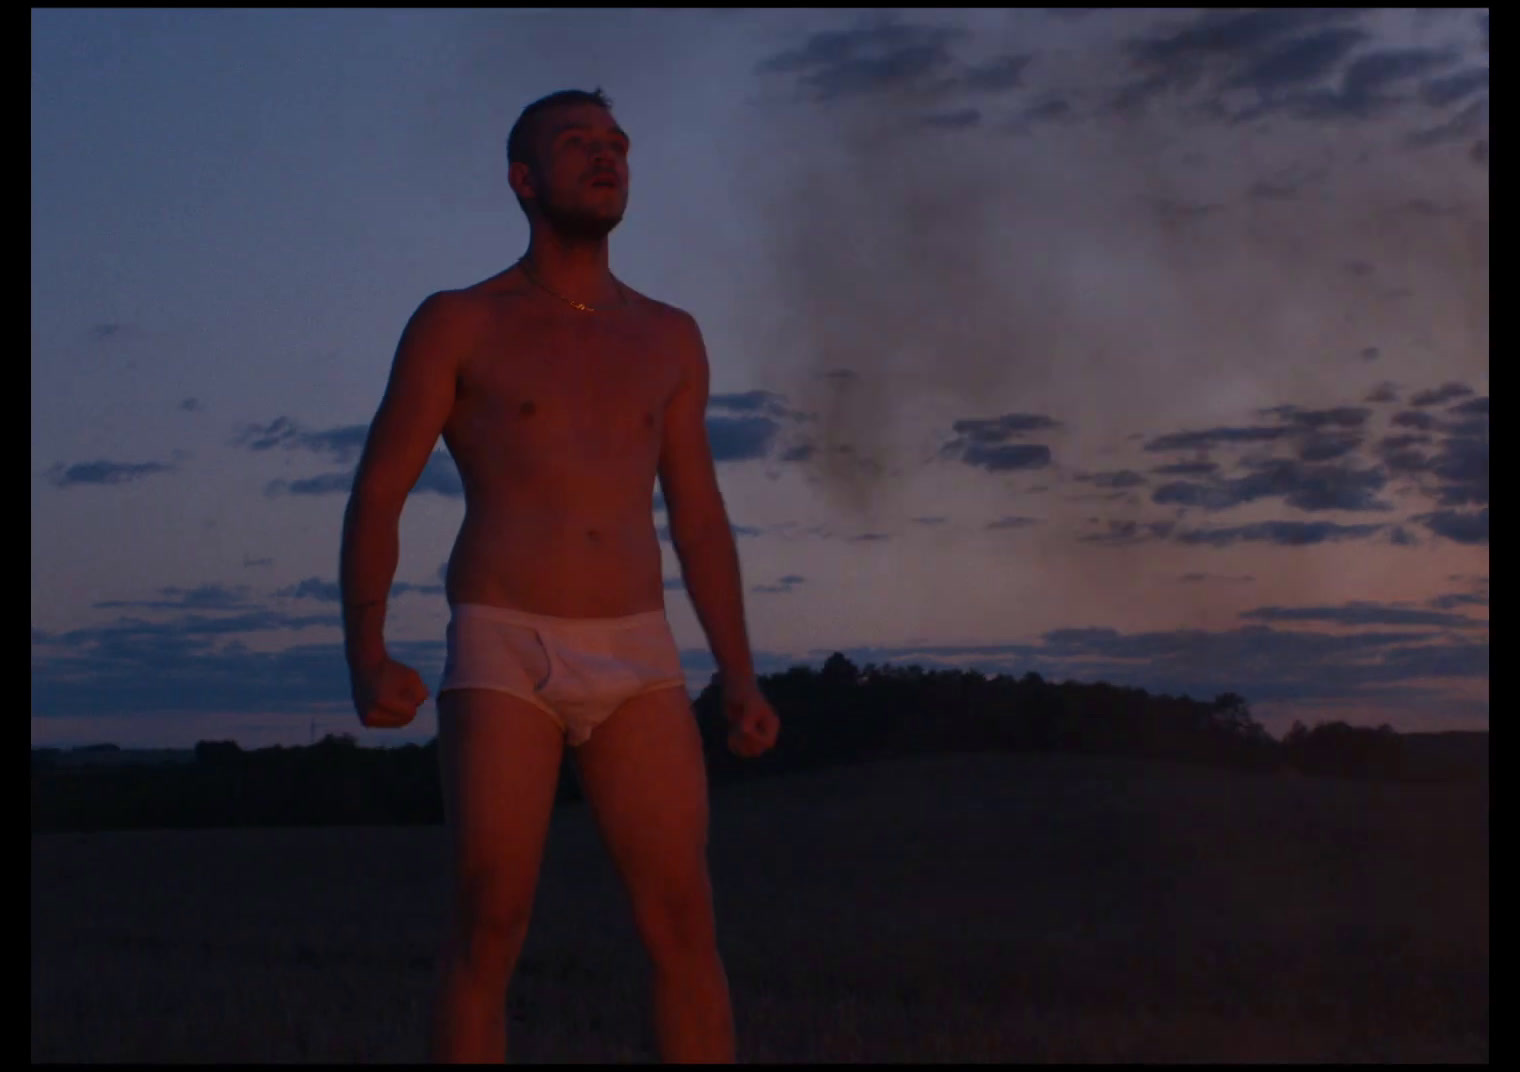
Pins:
x,y
520,178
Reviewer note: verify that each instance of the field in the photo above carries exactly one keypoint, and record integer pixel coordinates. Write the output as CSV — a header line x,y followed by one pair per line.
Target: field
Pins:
x,y
1012,908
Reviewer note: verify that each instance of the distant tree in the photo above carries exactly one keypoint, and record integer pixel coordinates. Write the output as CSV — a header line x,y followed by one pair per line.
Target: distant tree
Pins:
x,y
837,671
217,753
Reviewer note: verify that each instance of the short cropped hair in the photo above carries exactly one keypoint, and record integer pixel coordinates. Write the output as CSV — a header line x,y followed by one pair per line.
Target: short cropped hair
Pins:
x,y
520,140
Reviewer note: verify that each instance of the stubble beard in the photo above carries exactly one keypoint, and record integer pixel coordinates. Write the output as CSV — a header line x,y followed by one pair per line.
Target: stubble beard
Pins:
x,y
577,225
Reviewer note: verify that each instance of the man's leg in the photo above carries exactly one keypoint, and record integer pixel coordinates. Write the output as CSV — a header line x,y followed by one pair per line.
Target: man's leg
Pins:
x,y
499,758
645,780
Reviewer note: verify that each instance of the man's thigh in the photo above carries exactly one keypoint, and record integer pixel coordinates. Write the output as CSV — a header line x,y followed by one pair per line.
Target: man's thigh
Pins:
x,y
645,779
499,761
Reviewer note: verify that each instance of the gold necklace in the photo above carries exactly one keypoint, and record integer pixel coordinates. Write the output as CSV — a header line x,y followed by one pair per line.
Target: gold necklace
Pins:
x,y
582,306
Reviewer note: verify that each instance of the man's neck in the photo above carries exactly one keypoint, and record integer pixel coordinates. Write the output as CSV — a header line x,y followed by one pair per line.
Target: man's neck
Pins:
x,y
573,270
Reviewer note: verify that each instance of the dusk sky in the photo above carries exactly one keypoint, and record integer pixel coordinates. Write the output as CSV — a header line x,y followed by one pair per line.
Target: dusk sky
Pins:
x,y
1148,347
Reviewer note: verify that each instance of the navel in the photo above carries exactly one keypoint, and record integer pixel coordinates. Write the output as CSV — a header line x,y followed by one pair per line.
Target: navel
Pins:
x,y
527,409
593,536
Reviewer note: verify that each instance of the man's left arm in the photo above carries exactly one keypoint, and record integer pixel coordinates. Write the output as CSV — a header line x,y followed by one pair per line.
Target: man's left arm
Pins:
x,y
699,524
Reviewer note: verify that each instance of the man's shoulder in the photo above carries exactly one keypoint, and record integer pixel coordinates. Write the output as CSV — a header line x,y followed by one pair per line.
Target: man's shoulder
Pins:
x,y
450,304
454,310
666,316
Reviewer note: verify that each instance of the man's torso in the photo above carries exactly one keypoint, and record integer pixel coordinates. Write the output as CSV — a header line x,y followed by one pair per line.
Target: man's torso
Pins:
x,y
556,430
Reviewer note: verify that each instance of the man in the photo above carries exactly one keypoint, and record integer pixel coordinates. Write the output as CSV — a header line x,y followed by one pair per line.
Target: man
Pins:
x,y
561,394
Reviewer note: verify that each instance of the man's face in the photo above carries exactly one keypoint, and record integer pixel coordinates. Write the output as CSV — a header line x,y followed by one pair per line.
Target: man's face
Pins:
x,y
580,177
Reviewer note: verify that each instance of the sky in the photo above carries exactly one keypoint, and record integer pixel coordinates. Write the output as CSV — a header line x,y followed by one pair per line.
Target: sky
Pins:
x,y
1147,347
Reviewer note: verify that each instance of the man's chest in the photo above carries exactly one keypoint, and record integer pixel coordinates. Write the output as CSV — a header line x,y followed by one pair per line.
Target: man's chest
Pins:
x,y
596,389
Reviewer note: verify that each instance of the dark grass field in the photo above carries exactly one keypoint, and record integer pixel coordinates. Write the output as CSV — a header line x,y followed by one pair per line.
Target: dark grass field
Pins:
x,y
1008,908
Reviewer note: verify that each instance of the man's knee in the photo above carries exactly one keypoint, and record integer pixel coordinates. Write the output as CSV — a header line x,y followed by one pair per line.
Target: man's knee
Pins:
x,y
489,927
677,922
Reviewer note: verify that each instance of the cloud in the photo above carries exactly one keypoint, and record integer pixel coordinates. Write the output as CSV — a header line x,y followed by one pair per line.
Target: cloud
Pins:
x,y
755,431
103,472
1284,533
1453,88
191,405
937,519
249,562
1362,91
1437,395
782,585
1240,66
1363,613
756,401
1321,448
195,664
663,531
827,247
314,588
1316,419
1458,599
1468,528
997,74
1412,419
1118,478
1298,62
326,484
1306,486
1187,468
870,537
1128,532
1462,463
1216,437
998,429
1395,453
886,56
983,443
1005,458
202,597
1011,521
737,439
1048,109
1264,664
1470,122
343,443
1383,392
131,667
439,476
1266,52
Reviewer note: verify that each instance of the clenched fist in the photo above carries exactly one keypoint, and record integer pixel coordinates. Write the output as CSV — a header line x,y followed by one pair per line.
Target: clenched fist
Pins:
x,y
753,725
387,695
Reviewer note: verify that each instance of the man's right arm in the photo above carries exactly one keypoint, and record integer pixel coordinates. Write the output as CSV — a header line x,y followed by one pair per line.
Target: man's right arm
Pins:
x,y
411,417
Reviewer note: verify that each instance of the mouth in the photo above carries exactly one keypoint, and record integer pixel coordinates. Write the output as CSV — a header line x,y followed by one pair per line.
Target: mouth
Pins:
x,y
608,182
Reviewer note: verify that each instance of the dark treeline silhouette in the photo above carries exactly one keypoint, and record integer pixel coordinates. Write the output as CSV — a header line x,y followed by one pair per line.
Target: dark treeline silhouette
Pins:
x,y
836,715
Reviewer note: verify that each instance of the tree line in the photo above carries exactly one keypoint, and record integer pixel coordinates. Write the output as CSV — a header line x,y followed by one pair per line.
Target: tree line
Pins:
x,y
839,714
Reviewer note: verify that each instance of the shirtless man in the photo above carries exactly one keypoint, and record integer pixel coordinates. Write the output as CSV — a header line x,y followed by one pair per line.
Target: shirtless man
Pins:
x,y
561,394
